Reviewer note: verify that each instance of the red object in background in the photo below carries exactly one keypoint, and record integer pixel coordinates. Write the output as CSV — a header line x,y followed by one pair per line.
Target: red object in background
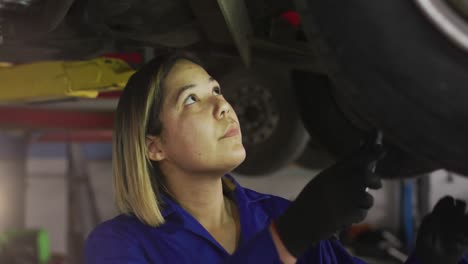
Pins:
x,y
109,95
292,17
37,118
75,136
129,57
358,229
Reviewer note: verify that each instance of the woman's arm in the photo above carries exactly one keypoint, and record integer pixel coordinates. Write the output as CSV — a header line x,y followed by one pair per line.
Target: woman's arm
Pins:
x,y
333,199
283,253
266,247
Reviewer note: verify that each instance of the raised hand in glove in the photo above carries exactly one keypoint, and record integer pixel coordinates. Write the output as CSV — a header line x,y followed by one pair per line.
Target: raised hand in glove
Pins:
x,y
443,234
333,200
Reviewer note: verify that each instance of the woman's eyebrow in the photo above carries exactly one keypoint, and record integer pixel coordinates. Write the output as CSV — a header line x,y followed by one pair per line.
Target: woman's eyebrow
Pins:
x,y
182,89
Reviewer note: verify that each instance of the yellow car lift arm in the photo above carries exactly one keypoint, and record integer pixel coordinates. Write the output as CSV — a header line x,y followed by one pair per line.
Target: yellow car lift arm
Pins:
x,y
61,79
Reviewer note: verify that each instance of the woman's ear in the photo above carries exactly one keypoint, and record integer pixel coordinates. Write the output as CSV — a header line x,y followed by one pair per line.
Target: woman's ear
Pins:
x,y
155,150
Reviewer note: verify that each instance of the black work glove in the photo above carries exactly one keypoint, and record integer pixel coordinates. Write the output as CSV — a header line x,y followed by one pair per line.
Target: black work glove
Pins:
x,y
333,200
443,234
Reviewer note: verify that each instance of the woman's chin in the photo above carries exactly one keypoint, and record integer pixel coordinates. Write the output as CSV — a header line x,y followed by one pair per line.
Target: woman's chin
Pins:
x,y
241,155
235,159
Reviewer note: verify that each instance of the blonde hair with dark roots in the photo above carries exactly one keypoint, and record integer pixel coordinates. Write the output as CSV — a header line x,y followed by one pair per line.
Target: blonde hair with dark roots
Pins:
x,y
138,183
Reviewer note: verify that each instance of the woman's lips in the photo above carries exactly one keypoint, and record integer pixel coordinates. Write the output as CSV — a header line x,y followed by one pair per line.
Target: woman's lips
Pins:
x,y
231,132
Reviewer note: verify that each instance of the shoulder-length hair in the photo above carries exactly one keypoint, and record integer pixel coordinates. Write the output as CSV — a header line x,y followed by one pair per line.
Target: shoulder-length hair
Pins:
x,y
138,183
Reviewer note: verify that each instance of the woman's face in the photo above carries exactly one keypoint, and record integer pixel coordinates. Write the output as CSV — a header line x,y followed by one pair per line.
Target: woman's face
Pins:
x,y
201,132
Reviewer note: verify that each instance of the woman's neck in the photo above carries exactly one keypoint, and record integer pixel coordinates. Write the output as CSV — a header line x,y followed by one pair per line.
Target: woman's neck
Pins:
x,y
203,198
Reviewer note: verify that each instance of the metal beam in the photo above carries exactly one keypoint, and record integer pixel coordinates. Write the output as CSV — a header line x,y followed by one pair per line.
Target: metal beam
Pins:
x,y
225,22
211,21
237,20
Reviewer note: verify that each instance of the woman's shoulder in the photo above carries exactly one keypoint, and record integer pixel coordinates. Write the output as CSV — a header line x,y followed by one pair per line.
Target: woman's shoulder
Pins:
x,y
254,196
122,227
126,239
115,238
273,204
261,199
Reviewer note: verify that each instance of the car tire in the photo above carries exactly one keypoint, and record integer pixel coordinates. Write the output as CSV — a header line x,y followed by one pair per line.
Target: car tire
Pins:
x,y
393,69
334,137
272,131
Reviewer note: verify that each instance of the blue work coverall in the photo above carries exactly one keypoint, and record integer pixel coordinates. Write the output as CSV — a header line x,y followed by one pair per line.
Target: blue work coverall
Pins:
x,y
182,239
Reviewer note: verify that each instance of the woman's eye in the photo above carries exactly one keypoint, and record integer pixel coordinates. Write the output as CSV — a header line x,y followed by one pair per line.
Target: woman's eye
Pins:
x,y
190,99
217,90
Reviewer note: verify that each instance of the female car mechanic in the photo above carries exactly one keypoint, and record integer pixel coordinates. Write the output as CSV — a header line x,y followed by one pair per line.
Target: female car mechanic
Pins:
x,y
176,139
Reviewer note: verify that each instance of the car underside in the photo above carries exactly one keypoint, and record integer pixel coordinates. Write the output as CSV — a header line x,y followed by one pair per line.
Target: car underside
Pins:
x,y
304,76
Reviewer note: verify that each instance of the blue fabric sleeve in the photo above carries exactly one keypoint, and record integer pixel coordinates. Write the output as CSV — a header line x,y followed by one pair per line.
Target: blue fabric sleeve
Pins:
x,y
329,252
106,246
413,259
464,260
358,261
261,249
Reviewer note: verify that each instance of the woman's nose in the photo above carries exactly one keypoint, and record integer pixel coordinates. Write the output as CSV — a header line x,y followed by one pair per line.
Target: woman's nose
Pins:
x,y
222,108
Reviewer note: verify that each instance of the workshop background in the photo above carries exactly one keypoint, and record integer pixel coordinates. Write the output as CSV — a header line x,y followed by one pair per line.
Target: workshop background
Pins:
x,y
65,189
303,76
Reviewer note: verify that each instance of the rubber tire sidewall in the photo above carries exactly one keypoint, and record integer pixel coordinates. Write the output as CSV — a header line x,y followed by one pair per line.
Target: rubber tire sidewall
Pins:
x,y
289,139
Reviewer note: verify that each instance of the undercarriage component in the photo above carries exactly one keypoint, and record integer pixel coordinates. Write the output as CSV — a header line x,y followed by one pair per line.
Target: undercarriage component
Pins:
x,y
153,22
31,19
